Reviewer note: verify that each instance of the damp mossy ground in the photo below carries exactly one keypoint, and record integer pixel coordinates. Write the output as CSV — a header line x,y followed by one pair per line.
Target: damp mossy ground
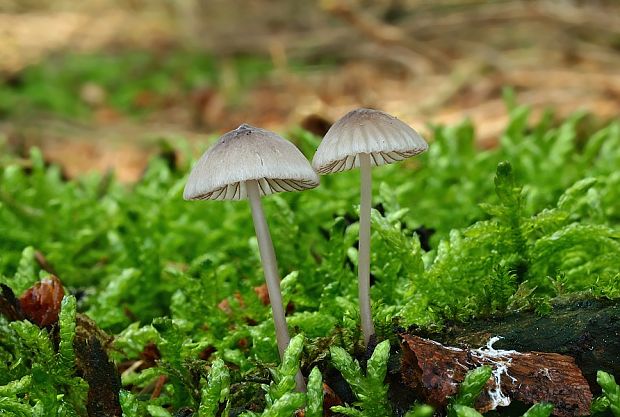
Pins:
x,y
458,233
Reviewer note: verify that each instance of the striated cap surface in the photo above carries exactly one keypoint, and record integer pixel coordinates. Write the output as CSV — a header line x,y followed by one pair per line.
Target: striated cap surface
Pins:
x,y
384,137
249,153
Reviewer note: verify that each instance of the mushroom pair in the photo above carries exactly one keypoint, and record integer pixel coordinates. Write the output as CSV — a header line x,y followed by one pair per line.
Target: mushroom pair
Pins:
x,y
250,162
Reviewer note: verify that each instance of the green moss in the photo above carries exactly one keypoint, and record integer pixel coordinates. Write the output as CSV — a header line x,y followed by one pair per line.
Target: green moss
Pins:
x,y
514,227
131,82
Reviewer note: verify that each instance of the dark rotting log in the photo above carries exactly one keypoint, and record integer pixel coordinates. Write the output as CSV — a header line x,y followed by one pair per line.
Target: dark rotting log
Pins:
x,y
94,365
586,329
434,372
102,377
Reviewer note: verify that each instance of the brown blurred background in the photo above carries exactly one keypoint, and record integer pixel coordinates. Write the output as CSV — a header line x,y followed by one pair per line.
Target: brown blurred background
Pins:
x,y
310,62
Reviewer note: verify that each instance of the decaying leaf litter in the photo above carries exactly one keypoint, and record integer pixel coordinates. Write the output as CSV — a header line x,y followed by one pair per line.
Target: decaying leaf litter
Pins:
x,y
555,55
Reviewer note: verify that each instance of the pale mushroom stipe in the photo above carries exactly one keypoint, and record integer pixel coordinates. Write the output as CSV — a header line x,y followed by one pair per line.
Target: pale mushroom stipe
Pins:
x,y
364,138
249,163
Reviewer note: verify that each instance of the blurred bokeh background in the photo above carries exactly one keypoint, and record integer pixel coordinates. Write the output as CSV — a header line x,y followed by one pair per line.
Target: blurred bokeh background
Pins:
x,y
99,84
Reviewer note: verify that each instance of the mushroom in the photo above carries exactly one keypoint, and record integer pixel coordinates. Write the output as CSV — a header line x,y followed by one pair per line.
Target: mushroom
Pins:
x,y
364,138
249,163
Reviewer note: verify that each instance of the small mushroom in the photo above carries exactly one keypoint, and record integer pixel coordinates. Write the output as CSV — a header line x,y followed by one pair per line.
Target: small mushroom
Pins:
x,y
364,138
249,163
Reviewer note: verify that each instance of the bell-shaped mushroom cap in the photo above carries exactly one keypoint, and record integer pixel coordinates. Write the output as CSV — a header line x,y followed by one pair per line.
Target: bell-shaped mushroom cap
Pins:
x,y
384,137
249,153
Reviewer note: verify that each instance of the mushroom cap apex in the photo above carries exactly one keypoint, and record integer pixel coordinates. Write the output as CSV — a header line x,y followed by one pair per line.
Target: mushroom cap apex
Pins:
x,y
245,126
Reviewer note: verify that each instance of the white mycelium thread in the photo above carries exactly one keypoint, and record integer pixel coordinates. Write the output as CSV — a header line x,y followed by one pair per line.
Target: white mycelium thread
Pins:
x,y
501,359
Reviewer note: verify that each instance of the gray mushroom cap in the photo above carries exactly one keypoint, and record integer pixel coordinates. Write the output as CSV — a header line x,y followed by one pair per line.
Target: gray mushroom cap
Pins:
x,y
249,153
384,137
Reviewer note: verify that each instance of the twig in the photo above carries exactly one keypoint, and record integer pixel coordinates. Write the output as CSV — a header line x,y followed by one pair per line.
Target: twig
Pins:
x,y
382,33
158,386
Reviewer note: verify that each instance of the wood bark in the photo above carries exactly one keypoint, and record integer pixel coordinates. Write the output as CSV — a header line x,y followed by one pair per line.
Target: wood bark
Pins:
x,y
435,371
552,358
586,329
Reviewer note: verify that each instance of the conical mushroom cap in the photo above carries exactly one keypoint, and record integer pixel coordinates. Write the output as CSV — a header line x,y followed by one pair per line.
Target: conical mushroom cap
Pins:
x,y
384,137
249,153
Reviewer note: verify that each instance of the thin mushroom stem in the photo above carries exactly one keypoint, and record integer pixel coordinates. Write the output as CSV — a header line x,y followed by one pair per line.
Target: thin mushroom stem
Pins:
x,y
363,263
270,267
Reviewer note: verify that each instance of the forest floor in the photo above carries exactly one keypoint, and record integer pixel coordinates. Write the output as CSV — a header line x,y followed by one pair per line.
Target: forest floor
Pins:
x,y
425,64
